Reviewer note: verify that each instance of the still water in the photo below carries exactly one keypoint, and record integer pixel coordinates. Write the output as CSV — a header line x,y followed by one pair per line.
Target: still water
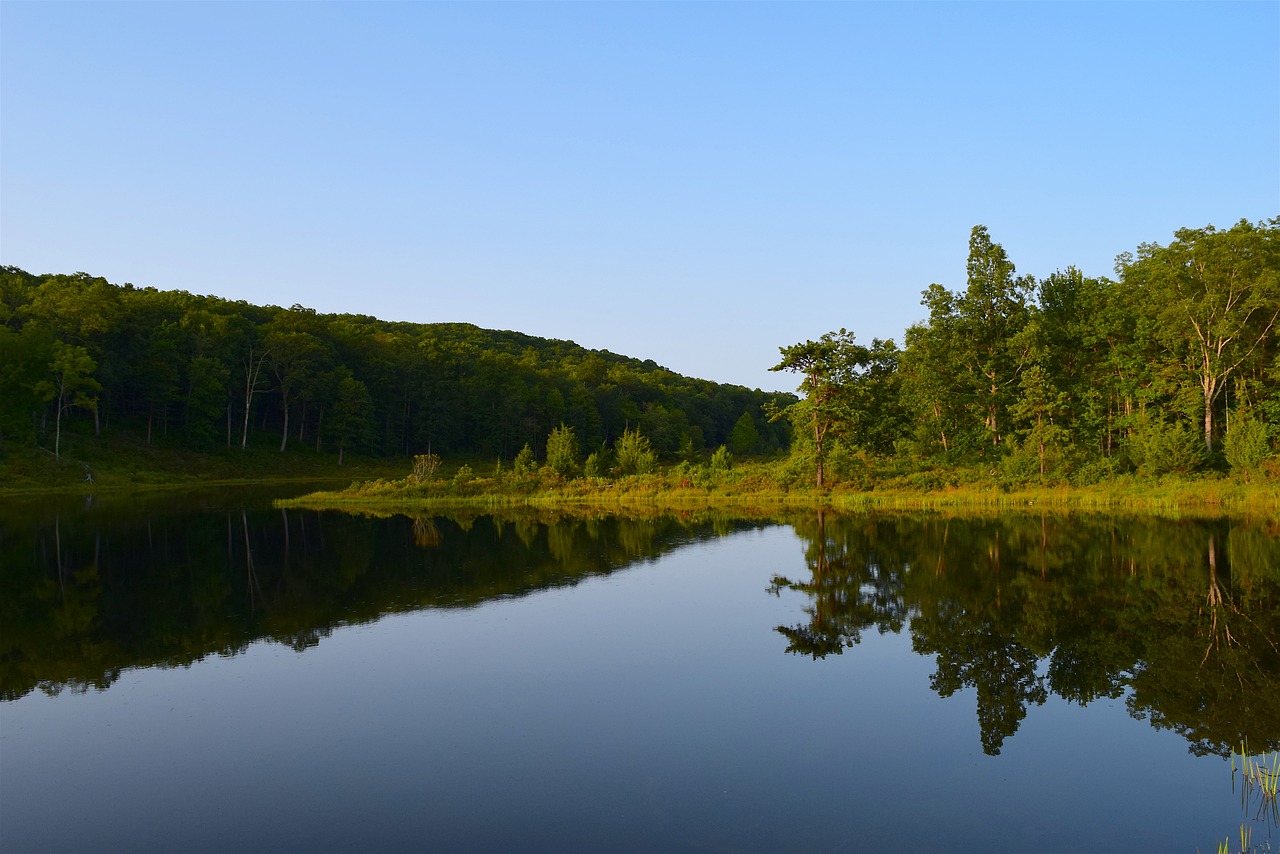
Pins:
x,y
206,673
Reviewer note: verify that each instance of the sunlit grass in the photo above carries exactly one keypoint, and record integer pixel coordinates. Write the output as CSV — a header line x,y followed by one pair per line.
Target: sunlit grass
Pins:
x,y
1259,776
758,487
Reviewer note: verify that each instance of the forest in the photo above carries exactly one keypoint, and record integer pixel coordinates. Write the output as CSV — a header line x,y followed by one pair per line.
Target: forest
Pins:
x,y
79,354
1173,366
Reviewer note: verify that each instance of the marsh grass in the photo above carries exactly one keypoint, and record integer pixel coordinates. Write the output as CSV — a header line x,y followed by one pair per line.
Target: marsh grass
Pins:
x,y
758,488
1259,783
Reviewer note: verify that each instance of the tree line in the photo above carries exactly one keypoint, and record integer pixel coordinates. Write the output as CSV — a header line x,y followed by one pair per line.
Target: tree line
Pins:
x,y
171,368
1173,366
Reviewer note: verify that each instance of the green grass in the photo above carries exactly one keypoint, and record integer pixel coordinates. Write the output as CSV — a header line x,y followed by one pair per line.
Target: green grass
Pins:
x,y
125,463
760,489
756,488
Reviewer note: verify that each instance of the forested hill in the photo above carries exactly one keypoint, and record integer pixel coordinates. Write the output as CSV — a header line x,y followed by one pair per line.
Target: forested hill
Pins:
x,y
81,355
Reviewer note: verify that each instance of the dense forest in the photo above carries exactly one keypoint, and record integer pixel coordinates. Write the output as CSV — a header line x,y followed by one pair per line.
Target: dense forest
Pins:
x,y
1173,366
78,353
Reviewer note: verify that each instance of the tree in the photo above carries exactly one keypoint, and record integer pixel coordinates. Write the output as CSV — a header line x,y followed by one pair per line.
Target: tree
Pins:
x,y
1036,407
352,420
991,314
744,437
563,454
296,357
828,367
634,453
70,383
1216,296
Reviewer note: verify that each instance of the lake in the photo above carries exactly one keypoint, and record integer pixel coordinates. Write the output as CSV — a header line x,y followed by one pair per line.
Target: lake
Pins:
x,y
202,672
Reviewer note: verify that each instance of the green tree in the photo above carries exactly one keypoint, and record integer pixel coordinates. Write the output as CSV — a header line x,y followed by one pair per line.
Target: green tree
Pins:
x,y
992,312
296,358
563,454
24,361
634,453
352,419
832,368
1216,299
1247,444
525,463
70,382
1039,402
744,438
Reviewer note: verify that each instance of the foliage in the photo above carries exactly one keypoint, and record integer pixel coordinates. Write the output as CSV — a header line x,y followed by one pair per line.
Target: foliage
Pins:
x,y
595,465
563,455
634,453
424,467
196,372
524,462
1157,446
745,437
1247,444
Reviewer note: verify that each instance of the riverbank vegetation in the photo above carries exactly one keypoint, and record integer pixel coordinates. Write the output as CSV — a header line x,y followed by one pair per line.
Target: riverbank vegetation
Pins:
x,y
1160,386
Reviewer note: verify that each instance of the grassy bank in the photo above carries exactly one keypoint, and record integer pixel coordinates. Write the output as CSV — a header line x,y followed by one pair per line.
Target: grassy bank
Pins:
x,y
123,463
757,490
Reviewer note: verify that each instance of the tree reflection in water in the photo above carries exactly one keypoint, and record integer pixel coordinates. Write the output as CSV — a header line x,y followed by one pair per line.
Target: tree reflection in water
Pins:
x,y
1182,618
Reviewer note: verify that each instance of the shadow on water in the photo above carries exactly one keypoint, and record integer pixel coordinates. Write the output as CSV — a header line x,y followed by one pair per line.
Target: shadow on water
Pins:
x,y
1181,618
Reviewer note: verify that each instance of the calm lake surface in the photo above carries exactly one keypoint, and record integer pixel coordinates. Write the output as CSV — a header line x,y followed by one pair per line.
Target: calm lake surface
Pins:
x,y
205,673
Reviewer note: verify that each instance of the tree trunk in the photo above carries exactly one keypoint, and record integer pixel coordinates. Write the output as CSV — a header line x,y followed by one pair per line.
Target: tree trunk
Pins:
x,y
57,433
1209,394
284,434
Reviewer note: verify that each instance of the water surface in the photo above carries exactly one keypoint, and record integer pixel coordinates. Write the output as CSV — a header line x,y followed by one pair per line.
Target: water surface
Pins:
x,y
205,673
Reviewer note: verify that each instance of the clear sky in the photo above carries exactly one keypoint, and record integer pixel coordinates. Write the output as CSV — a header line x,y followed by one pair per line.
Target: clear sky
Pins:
x,y
695,183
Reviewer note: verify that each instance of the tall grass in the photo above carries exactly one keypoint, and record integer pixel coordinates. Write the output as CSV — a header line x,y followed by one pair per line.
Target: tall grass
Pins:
x,y
763,486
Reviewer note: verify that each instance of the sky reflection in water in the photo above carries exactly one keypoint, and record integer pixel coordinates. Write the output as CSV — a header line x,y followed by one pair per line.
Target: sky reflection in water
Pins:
x,y
553,702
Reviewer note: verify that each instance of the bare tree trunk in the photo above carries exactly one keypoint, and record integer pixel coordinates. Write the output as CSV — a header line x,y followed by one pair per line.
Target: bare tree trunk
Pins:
x,y
251,371
284,434
1209,395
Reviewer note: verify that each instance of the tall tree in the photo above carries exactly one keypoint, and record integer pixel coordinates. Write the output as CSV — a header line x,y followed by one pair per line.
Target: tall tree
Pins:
x,y
827,367
1216,296
352,421
70,383
992,312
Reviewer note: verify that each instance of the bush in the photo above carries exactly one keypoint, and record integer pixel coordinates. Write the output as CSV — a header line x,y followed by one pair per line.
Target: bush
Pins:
x,y
635,454
524,462
562,452
424,466
1247,444
595,466
1161,447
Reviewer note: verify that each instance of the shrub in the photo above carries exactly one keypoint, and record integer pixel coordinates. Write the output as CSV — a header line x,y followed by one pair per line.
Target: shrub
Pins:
x,y
562,452
524,462
424,466
635,454
1162,447
1247,444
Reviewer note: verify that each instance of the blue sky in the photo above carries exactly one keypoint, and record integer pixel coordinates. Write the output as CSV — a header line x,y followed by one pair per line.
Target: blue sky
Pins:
x,y
695,183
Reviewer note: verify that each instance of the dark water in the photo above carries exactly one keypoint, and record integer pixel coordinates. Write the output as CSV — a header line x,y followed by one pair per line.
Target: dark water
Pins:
x,y
205,673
